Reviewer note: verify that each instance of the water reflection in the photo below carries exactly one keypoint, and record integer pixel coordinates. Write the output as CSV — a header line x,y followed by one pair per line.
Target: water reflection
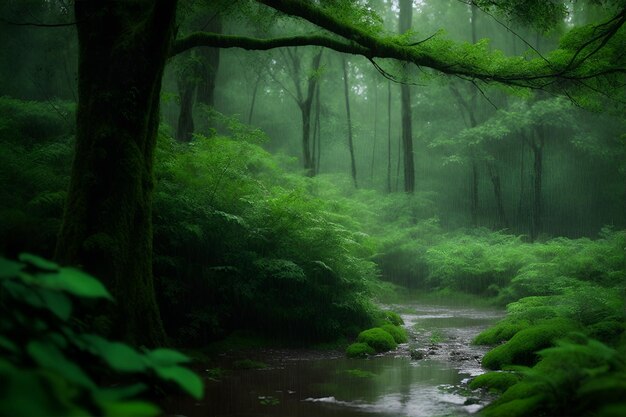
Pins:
x,y
385,386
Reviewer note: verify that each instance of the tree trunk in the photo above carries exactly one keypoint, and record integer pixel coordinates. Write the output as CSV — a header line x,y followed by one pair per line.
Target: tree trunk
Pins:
x,y
317,133
107,221
474,193
497,192
346,90
537,148
305,111
254,93
389,136
185,129
211,60
406,16
374,139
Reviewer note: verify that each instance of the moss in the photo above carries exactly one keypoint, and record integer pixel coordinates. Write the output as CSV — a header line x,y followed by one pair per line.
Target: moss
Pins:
x,y
495,381
522,348
607,331
359,350
398,333
520,407
377,339
393,318
502,331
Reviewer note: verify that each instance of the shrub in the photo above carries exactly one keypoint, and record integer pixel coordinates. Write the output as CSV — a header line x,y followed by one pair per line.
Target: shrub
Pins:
x,y
503,331
523,347
377,339
359,350
398,333
394,318
50,366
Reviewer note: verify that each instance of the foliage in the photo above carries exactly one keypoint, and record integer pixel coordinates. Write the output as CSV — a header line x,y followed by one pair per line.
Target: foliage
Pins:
x,y
240,243
495,381
359,350
378,339
579,376
51,366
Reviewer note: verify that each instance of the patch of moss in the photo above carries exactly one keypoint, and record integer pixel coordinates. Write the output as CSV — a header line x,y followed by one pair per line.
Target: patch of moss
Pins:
x,y
522,348
502,331
394,318
378,339
398,333
495,381
519,407
359,350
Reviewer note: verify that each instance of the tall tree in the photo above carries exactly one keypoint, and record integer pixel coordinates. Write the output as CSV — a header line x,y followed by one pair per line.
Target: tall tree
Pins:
x,y
346,90
107,222
406,17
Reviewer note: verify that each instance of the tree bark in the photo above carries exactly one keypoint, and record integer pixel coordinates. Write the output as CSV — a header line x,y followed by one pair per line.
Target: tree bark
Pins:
x,y
185,127
254,93
346,90
537,148
107,221
406,16
211,61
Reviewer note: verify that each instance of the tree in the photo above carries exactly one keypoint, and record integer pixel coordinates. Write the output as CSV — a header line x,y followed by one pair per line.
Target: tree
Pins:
x,y
346,91
406,16
123,47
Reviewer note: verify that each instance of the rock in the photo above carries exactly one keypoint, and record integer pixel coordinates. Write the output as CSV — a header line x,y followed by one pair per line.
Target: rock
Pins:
x,y
416,355
472,401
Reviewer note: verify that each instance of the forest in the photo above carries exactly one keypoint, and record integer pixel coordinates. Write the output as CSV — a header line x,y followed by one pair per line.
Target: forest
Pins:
x,y
316,208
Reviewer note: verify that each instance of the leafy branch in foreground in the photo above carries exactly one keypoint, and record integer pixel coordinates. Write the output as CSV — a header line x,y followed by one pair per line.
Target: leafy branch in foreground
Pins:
x,y
49,366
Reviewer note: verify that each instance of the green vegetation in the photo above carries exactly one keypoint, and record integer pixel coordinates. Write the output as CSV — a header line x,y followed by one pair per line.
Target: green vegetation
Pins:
x,y
51,366
359,350
378,339
252,176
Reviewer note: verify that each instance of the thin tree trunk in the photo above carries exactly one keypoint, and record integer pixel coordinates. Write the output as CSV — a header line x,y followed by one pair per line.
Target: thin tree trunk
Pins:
x,y
253,101
317,132
346,90
537,148
497,192
375,133
389,136
406,16
106,225
474,193
211,60
185,129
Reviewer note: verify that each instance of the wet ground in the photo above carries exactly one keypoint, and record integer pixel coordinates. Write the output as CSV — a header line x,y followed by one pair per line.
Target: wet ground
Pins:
x,y
425,377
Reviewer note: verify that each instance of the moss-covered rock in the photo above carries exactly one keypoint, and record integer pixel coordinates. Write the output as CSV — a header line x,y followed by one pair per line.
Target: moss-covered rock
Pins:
x,y
378,339
394,318
398,333
359,350
522,348
502,331
495,381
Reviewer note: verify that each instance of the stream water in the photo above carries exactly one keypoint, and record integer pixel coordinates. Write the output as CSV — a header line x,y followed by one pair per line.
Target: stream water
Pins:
x,y
326,384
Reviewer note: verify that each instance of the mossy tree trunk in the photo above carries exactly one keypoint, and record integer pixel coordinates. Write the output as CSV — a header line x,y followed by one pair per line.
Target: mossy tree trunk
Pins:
x,y
107,223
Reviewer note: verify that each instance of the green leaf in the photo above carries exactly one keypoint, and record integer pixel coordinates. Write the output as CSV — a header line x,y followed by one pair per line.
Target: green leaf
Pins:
x,y
131,409
38,262
9,269
50,357
166,357
184,378
75,282
56,302
119,356
119,393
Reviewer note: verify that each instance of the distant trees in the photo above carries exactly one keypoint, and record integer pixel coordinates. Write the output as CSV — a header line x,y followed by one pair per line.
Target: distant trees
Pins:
x,y
123,47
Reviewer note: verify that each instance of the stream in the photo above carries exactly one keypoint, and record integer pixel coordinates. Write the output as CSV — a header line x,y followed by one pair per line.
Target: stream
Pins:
x,y
327,384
